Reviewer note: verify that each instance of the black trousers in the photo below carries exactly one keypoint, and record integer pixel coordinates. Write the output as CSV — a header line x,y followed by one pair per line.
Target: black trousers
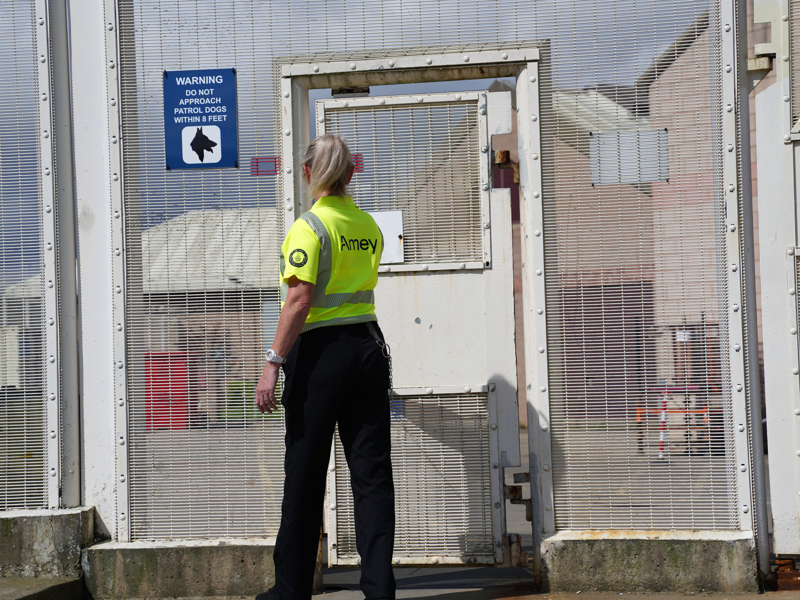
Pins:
x,y
336,374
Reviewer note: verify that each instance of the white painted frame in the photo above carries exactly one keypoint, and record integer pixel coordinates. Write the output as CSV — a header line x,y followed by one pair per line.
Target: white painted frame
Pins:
x,y
480,99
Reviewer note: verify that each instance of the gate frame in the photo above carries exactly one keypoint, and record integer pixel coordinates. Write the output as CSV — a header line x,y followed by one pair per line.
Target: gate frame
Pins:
x,y
298,75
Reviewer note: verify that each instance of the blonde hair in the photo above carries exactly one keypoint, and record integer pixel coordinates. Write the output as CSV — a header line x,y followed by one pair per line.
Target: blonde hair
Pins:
x,y
329,160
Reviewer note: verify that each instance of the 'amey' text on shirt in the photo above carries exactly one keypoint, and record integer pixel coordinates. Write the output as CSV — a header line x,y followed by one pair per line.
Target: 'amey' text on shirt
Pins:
x,y
356,244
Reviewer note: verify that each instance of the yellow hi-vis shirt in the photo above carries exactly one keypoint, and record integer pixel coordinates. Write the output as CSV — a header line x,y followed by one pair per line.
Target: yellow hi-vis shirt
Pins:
x,y
337,247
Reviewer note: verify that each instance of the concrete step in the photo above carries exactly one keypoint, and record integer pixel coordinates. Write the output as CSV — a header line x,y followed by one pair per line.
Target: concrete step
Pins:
x,y
41,588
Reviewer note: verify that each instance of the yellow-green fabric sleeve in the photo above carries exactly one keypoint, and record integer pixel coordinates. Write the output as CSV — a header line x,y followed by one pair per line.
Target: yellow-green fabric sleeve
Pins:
x,y
300,252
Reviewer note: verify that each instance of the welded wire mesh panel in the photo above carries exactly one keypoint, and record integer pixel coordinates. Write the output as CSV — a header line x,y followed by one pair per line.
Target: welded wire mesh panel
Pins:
x,y
442,477
636,281
794,58
22,333
202,250
423,160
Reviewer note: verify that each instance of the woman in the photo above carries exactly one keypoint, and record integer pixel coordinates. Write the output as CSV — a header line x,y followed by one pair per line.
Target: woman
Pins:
x,y
335,372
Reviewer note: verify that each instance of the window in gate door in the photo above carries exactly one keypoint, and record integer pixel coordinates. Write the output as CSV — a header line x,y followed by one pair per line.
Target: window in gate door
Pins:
x,y
423,159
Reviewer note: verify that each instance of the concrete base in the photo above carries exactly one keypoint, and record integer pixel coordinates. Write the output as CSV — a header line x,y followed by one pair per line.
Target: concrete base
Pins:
x,y
657,561
63,588
199,568
44,543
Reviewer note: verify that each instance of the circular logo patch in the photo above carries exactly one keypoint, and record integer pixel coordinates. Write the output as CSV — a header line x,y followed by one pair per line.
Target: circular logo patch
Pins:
x,y
298,258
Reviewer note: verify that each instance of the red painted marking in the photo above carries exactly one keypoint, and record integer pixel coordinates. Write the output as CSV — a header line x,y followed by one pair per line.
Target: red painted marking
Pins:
x,y
266,165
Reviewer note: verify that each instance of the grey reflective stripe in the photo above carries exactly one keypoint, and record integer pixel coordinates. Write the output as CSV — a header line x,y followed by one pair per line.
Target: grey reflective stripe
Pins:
x,y
339,321
324,272
284,287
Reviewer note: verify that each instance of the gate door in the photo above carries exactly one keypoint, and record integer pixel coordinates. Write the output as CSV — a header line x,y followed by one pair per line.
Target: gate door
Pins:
x,y
445,303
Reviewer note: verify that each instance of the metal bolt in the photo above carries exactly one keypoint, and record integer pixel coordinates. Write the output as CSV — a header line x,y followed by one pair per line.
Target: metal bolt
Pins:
x,y
731,227
504,55
790,251
458,96
40,21
541,349
52,396
382,101
735,308
546,467
120,364
116,214
467,389
46,135
482,110
795,371
121,402
731,187
786,98
428,61
121,441
745,509
51,321
743,468
730,147
793,331
493,426
352,66
542,389
538,271
113,102
113,139
548,508
118,289
466,58
741,427
46,171
315,68
785,58
734,268
728,68
122,517
484,149
739,387
492,387
532,78
52,359
391,63
285,94
729,108
429,390
49,246
727,28
117,252
52,435
535,194
53,472
44,97
537,233
499,544
797,412
110,27
737,347
420,98
115,177
534,118
495,465
111,64
345,103
787,138
122,478
47,209
540,311
785,18
287,132
289,209
333,545
321,119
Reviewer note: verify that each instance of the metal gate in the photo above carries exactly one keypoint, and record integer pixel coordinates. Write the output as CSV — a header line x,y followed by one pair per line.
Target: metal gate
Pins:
x,y
445,303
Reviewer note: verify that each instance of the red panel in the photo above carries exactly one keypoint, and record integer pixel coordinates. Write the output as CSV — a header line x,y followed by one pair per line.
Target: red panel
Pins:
x,y
266,165
166,390
358,161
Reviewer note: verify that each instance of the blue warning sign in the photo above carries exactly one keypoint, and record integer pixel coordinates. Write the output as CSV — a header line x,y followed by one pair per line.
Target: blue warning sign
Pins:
x,y
200,119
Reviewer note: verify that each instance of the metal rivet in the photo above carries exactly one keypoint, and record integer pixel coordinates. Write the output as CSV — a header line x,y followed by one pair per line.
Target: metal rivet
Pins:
x,y
544,428
741,427
122,478
52,435
121,402
493,426
729,108
119,326
534,118
482,110
734,268
498,543
731,187
735,308
44,97
547,508
790,251
541,350
289,209
542,389
285,94
739,387
467,389
113,139
116,214
122,516
428,390
49,246
785,58
51,359
458,96
345,103
113,102
546,467
111,64
46,171
535,194
742,468
797,412
321,119
42,59
420,98
382,101
40,21
535,157
288,170
785,18
727,28
50,285
352,66
504,55
538,271
287,132
47,209
730,147
495,465
51,321
53,472
484,148
315,68
110,27
120,364
462,265
52,396
540,311
118,290
466,58
728,68
46,134
497,505
737,347
731,227
428,61
117,252
795,371
532,78
485,187
115,177
787,138
391,63
537,233
793,331
424,267
121,441
745,509
786,98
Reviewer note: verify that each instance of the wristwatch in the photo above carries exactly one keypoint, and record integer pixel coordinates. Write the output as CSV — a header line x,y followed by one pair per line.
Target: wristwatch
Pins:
x,y
273,357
